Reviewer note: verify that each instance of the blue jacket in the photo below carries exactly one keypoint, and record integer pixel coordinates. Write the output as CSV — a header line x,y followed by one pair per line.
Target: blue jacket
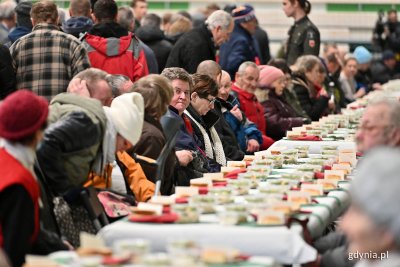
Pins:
x,y
241,47
17,33
184,140
244,130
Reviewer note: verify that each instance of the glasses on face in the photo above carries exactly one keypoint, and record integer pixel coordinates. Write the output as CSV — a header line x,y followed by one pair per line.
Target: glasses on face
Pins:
x,y
179,92
210,102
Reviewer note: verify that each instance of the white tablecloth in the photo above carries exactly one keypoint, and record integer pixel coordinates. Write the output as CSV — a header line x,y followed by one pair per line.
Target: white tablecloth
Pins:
x,y
315,146
284,245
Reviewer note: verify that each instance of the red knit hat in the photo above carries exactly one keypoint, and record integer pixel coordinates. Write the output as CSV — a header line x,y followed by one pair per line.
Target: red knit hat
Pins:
x,y
268,75
21,114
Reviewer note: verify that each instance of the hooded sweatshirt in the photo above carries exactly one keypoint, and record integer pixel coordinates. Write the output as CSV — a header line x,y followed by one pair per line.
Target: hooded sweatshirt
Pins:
x,y
77,25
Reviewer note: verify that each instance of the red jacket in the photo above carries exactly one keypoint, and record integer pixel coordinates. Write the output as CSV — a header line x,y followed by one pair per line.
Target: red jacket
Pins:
x,y
117,55
254,111
251,107
13,173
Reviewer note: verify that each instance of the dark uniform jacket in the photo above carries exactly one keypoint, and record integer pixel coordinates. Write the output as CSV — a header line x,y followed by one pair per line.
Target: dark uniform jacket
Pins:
x,y
304,39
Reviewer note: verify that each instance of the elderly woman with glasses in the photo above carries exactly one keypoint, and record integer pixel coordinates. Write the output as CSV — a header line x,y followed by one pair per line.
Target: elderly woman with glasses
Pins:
x,y
203,119
279,115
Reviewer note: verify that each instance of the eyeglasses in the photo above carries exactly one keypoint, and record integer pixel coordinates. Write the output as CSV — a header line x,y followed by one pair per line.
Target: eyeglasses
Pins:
x,y
210,102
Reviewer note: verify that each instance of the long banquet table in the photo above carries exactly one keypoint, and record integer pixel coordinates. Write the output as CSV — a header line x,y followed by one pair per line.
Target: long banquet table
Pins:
x,y
285,245
315,146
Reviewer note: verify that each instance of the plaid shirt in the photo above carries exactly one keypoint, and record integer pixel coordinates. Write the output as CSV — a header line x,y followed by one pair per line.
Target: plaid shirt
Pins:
x,y
47,59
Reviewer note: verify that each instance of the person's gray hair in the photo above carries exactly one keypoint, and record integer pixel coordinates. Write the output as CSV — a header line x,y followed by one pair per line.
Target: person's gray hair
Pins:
x,y
7,9
219,18
92,76
62,16
116,81
375,189
151,20
394,109
242,68
176,73
306,63
126,17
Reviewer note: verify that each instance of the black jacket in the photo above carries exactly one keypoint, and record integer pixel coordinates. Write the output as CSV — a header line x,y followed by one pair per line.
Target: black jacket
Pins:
x,y
155,39
207,121
71,142
263,42
228,138
191,49
363,79
314,107
150,144
7,76
381,74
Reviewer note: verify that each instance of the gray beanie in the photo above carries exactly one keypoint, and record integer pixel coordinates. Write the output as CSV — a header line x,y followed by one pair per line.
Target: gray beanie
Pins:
x,y
376,188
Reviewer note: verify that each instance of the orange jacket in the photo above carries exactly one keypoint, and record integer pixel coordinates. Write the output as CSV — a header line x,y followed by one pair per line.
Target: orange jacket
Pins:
x,y
134,176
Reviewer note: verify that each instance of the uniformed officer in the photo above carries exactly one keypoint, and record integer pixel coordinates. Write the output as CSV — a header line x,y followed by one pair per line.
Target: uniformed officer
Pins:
x,y
304,37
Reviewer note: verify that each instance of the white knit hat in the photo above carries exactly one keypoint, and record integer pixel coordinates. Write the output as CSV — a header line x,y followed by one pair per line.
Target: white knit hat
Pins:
x,y
127,114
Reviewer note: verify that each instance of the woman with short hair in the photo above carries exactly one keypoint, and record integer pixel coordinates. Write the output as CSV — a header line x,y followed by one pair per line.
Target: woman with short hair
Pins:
x,y
203,96
157,94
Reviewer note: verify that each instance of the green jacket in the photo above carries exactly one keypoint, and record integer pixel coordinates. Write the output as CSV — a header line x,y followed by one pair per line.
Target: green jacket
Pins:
x,y
72,141
304,39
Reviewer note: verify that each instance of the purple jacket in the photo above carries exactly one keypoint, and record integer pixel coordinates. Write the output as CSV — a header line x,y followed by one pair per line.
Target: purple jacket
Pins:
x,y
280,116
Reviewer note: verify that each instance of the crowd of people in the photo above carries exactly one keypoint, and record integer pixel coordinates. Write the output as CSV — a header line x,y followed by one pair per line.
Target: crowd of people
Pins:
x,y
83,102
